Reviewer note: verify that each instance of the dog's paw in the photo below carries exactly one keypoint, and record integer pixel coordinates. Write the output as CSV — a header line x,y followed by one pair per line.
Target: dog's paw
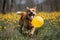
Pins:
x,y
31,35
20,30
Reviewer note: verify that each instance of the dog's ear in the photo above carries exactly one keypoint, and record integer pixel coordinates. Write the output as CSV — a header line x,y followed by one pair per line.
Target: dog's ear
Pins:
x,y
27,8
34,7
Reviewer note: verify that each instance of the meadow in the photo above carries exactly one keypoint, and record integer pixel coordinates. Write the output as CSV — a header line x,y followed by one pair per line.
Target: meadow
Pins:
x,y
9,27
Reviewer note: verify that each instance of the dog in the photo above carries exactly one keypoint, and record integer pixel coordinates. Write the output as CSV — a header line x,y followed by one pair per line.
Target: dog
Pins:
x,y
26,17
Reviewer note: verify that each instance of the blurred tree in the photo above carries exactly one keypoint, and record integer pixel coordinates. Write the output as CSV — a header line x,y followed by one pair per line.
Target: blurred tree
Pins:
x,y
13,6
29,3
17,5
3,7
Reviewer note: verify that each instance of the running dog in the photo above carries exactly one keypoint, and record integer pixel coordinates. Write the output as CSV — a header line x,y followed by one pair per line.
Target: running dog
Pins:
x,y
26,18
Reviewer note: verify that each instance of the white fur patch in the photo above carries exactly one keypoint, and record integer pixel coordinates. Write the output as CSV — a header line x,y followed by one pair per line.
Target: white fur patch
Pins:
x,y
19,12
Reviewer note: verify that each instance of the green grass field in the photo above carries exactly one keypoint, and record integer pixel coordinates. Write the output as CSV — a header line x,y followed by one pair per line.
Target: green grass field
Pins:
x,y
9,27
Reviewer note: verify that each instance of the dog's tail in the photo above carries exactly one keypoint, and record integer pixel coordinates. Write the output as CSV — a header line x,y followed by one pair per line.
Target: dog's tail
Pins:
x,y
19,12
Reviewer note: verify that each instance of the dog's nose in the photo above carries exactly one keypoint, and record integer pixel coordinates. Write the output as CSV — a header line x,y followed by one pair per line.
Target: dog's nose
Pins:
x,y
31,12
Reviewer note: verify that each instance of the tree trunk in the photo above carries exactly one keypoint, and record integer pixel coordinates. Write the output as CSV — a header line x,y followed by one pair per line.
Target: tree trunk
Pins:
x,y
3,7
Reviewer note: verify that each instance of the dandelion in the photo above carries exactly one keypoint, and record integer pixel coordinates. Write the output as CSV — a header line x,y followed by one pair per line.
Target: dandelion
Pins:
x,y
13,27
5,27
52,18
59,20
0,27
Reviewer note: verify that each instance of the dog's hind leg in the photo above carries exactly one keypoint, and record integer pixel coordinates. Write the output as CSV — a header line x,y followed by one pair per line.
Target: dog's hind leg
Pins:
x,y
21,23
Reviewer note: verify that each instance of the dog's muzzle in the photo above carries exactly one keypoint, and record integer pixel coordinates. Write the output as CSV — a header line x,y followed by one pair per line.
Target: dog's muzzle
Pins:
x,y
31,15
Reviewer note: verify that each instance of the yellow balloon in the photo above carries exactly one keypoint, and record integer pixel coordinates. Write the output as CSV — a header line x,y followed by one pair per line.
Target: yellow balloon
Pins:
x,y
37,21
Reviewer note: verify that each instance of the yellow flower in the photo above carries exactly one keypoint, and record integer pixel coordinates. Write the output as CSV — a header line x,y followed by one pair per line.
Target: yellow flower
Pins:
x,y
13,27
5,27
0,27
59,20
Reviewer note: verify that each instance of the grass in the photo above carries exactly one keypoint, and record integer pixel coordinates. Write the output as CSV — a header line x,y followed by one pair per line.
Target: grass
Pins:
x,y
9,27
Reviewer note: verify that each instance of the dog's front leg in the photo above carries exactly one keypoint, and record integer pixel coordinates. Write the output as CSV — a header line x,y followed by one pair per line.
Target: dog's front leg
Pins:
x,y
32,32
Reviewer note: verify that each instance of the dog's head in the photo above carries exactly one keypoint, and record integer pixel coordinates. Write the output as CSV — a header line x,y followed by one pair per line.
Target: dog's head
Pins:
x,y
31,12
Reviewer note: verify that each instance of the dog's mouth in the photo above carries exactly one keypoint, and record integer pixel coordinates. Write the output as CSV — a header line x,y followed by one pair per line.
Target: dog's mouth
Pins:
x,y
31,15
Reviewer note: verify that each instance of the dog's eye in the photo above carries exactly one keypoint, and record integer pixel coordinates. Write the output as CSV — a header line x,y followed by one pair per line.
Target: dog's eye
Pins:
x,y
33,10
28,10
